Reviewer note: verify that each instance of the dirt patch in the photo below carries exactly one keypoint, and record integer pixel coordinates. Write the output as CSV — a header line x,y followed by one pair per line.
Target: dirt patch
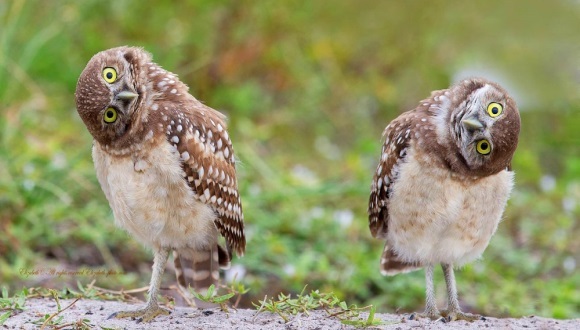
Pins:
x,y
96,313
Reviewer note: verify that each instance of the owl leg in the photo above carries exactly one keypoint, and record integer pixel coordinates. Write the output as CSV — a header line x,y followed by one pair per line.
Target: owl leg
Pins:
x,y
453,312
431,310
152,309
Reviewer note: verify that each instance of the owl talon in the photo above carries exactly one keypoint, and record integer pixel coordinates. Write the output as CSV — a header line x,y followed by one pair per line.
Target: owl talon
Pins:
x,y
460,316
434,315
144,315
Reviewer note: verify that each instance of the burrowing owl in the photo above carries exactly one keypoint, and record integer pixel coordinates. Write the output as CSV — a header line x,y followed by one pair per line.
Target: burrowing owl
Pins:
x,y
442,183
166,165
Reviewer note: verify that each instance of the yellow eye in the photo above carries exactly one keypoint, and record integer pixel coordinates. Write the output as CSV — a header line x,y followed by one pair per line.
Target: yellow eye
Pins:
x,y
483,147
110,115
110,75
494,109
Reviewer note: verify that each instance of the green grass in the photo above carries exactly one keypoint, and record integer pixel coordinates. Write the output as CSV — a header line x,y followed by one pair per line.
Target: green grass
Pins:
x,y
308,88
286,306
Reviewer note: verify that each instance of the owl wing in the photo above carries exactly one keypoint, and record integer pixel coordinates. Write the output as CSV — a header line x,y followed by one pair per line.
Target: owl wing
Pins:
x,y
394,151
207,157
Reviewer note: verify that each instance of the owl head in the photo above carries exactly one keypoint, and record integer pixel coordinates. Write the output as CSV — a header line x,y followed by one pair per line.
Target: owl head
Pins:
x,y
110,90
484,126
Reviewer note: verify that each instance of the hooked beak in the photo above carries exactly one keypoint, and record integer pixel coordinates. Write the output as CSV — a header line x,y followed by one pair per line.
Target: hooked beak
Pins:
x,y
127,95
472,123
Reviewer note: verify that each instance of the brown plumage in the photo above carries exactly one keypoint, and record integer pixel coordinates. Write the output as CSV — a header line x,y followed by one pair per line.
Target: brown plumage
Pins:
x,y
166,165
443,181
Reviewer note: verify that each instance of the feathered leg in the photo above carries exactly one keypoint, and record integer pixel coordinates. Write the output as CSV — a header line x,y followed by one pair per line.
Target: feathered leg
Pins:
x,y
453,312
431,310
152,308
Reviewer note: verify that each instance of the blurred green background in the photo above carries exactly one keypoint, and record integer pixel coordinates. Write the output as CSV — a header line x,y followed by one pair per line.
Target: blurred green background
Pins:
x,y
308,87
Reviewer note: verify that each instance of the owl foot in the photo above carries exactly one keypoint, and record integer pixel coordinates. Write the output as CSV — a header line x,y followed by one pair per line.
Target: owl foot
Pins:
x,y
452,315
433,315
145,315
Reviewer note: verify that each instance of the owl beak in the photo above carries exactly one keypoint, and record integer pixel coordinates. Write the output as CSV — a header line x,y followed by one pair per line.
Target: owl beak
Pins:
x,y
472,124
127,95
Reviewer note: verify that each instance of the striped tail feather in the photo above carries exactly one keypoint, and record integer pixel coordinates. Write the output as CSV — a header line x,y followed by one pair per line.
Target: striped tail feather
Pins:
x,y
199,270
391,264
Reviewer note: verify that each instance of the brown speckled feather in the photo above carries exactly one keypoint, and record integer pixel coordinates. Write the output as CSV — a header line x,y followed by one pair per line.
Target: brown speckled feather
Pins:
x,y
208,161
392,154
398,136
199,135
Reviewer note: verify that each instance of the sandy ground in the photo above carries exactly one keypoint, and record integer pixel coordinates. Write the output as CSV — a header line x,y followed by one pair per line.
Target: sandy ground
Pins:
x,y
97,312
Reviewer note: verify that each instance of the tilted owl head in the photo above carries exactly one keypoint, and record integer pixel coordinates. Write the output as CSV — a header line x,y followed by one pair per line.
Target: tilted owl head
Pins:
x,y
107,92
484,124
116,87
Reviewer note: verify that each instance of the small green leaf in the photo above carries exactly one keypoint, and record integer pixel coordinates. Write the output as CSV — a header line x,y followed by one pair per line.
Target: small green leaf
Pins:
x,y
4,317
210,291
371,315
223,298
